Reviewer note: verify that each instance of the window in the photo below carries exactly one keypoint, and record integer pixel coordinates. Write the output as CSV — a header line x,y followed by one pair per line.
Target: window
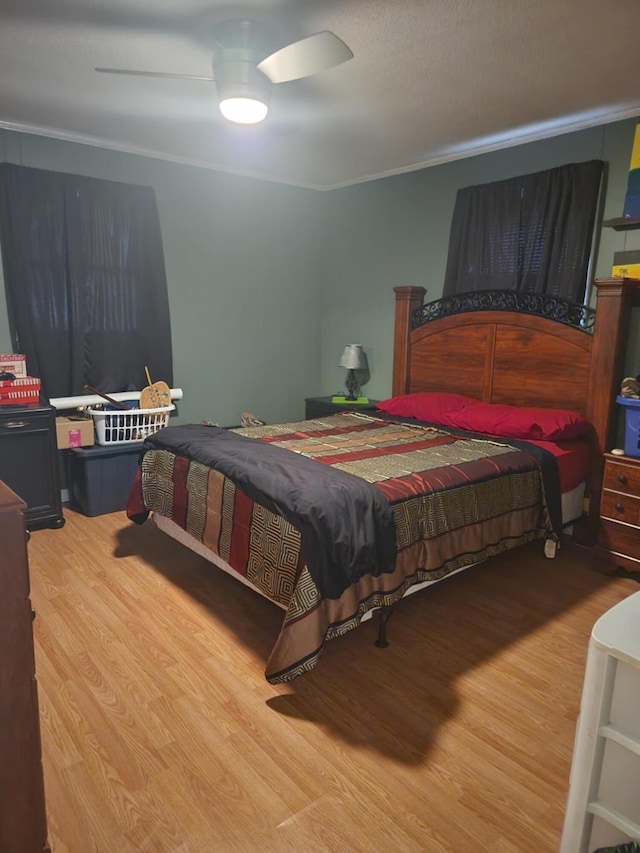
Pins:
x,y
85,280
531,234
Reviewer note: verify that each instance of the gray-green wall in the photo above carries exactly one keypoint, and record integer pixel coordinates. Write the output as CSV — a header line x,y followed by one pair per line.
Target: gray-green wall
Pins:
x,y
395,231
267,283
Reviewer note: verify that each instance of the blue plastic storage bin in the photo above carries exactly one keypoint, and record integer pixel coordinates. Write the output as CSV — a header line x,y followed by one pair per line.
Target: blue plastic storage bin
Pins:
x,y
100,478
631,425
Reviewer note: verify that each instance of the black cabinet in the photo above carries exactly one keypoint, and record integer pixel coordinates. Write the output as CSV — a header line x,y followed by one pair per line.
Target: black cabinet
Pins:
x,y
29,461
318,407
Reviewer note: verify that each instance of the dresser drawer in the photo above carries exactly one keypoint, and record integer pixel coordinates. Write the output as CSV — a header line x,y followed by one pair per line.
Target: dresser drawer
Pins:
x,y
621,538
622,478
620,506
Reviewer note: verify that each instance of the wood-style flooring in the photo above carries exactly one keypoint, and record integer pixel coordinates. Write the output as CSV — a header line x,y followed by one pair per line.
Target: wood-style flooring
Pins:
x,y
161,734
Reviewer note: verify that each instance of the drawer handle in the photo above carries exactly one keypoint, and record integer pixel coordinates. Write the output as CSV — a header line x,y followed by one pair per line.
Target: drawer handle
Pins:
x,y
15,424
619,508
622,479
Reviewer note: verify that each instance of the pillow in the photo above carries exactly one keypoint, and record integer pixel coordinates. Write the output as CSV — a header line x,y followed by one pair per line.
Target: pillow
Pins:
x,y
432,406
521,422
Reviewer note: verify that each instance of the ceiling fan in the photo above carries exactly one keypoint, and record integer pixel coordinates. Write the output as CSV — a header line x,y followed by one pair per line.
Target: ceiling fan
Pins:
x,y
243,72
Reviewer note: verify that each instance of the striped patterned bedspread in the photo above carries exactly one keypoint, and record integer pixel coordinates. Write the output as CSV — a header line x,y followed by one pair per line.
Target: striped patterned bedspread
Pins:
x,y
454,500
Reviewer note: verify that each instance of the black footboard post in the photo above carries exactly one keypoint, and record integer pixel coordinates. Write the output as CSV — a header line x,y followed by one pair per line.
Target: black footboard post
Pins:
x,y
384,614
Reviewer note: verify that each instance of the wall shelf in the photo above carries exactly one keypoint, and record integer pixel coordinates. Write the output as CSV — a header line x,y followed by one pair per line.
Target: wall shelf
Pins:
x,y
622,223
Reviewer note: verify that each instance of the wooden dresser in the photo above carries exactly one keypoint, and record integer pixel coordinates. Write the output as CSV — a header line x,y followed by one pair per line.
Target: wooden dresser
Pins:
x,y
619,529
23,825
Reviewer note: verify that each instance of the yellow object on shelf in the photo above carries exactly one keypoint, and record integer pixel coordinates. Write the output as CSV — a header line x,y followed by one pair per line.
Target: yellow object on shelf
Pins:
x,y
626,271
626,264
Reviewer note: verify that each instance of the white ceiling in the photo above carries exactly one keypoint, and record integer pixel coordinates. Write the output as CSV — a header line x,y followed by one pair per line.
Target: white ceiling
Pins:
x,y
430,81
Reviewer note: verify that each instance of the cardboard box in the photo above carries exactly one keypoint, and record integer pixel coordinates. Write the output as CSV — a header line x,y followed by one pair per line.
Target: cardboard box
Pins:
x,y
626,264
74,432
19,392
16,398
21,383
14,362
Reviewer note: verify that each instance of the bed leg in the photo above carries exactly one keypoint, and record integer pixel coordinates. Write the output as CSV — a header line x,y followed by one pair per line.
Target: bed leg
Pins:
x,y
384,614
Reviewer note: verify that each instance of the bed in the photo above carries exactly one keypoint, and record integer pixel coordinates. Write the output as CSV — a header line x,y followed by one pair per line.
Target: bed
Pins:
x,y
372,506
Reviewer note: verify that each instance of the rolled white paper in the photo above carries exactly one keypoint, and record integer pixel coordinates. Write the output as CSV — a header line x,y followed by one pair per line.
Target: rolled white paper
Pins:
x,y
93,399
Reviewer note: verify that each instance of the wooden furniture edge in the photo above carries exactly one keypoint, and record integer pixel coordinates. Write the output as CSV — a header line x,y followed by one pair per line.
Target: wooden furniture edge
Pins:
x,y
614,298
408,300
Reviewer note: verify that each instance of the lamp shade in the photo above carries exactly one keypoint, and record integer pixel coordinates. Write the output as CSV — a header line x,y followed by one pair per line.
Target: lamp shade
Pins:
x,y
354,357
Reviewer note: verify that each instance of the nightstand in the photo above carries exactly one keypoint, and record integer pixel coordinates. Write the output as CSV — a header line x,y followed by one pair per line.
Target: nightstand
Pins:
x,y
318,407
619,528
29,461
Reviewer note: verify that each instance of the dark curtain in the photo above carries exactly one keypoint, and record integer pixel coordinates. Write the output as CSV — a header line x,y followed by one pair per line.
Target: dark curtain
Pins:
x,y
85,280
531,234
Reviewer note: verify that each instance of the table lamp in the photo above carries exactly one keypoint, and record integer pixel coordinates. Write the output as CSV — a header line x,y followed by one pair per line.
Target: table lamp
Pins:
x,y
353,358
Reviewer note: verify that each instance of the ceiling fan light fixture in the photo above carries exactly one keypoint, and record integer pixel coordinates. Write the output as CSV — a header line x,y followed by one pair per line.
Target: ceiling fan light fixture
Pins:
x,y
243,110
243,91
243,75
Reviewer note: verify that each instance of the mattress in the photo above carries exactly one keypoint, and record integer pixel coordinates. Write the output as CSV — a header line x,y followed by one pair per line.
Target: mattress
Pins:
x,y
572,459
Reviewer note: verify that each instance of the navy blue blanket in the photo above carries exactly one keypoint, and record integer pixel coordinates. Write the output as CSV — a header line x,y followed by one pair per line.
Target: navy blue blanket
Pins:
x,y
346,524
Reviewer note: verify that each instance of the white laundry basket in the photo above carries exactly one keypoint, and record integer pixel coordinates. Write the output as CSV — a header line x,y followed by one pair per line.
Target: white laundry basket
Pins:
x,y
120,426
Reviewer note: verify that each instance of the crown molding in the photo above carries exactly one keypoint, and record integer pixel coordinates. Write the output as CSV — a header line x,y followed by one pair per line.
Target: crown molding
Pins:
x,y
472,150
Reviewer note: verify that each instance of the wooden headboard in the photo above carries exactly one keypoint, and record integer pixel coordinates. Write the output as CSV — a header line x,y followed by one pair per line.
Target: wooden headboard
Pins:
x,y
522,349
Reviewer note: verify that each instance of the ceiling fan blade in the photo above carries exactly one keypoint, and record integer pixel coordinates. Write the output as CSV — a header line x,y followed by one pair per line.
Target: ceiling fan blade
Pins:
x,y
305,57
133,73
